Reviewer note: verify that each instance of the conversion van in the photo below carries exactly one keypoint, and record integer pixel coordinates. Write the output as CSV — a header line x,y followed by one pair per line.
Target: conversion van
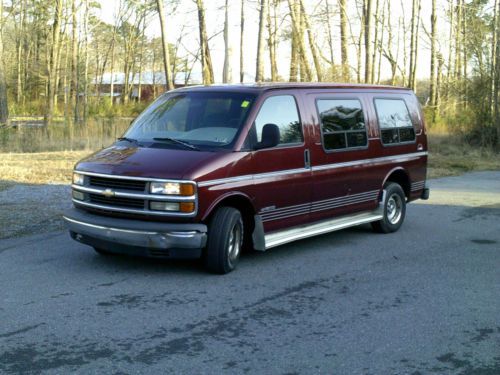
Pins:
x,y
208,171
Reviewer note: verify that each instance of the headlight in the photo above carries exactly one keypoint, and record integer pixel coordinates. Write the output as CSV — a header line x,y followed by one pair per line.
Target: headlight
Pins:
x,y
172,188
78,195
78,179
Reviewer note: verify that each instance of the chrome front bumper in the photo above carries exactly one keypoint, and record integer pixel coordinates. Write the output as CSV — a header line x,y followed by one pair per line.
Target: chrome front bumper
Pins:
x,y
136,237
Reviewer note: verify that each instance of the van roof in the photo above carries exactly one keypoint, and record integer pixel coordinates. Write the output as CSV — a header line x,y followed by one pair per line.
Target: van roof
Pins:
x,y
266,86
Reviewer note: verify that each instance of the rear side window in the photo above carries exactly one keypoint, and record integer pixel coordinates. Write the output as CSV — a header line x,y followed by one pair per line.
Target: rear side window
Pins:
x,y
282,111
394,121
342,123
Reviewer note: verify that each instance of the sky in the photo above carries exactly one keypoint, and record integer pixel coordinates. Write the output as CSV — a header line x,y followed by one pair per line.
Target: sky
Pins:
x,y
185,22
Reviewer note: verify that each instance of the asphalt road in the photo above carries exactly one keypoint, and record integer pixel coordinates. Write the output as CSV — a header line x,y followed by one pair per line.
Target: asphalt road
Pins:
x,y
425,300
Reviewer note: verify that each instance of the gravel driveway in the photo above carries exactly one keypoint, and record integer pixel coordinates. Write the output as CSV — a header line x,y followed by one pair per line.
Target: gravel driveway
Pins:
x,y
31,209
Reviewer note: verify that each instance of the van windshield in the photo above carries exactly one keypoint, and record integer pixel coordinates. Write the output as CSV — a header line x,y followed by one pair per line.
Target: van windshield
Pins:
x,y
200,119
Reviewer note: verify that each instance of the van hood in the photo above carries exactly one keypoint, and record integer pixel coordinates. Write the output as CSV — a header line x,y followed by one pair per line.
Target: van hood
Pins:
x,y
146,162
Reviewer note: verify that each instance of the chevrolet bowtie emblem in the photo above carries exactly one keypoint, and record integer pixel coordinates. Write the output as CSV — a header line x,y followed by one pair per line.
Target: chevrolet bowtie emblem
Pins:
x,y
108,193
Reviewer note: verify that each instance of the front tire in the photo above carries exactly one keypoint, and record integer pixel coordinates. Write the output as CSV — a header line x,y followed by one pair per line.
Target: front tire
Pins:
x,y
394,209
225,240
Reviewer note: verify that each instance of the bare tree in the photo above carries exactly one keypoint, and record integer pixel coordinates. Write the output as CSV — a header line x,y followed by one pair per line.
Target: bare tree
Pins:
x,y
242,41
496,104
259,70
367,9
312,43
166,54
375,40
343,41
298,38
52,65
432,96
227,75
272,29
206,60
4,110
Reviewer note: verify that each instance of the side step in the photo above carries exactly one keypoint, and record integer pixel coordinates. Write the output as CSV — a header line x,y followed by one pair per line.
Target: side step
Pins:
x,y
310,230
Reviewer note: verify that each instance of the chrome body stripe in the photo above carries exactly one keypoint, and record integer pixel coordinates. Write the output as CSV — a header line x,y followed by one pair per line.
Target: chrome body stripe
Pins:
x,y
384,159
418,185
133,211
326,204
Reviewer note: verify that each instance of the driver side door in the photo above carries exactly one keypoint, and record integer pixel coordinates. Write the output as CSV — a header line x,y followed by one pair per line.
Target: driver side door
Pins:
x,y
282,174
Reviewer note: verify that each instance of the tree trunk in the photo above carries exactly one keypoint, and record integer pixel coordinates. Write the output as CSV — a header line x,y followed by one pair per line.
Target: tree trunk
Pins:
x,y
259,69
4,109
298,31
381,44
343,41
271,41
368,43
496,103
360,43
206,60
242,42
294,59
432,96
414,68
227,76
86,66
166,55
412,42
52,63
375,40
493,57
312,43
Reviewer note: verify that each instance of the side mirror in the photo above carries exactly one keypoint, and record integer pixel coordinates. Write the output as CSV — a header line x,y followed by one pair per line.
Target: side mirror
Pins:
x,y
270,137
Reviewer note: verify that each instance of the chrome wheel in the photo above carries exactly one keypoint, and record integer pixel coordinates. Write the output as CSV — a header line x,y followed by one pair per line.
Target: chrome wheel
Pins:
x,y
235,241
394,208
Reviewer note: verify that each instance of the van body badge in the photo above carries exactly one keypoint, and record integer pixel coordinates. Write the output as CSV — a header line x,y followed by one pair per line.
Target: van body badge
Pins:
x,y
108,193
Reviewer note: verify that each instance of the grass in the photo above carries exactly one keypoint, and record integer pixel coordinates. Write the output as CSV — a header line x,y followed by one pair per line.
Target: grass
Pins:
x,y
448,157
38,168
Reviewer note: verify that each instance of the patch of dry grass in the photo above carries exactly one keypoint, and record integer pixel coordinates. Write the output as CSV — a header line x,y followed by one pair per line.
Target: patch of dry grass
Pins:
x,y
38,168
448,156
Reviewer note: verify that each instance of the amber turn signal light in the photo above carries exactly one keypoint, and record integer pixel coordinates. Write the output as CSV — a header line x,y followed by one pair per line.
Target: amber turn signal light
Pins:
x,y
187,207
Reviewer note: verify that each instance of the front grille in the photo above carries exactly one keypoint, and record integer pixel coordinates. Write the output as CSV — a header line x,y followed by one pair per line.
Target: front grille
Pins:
x,y
116,196
117,202
114,183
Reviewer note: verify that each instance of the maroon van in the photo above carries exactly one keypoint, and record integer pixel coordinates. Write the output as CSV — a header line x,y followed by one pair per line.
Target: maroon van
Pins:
x,y
208,171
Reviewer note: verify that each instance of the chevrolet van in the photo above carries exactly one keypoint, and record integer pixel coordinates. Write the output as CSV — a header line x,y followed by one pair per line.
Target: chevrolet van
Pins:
x,y
208,171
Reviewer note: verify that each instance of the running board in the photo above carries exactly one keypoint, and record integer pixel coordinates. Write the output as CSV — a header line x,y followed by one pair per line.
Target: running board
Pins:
x,y
310,230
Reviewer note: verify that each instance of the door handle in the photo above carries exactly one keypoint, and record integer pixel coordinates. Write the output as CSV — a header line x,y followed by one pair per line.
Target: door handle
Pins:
x,y
420,147
307,159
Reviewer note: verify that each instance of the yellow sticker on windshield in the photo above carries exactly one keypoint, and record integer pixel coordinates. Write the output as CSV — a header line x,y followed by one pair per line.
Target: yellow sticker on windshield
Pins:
x,y
245,103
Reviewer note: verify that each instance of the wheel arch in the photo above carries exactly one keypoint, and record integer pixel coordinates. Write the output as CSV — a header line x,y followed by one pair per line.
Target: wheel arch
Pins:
x,y
400,176
237,200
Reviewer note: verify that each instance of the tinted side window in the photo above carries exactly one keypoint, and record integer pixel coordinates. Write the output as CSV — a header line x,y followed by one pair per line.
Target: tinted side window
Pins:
x,y
342,123
394,121
282,111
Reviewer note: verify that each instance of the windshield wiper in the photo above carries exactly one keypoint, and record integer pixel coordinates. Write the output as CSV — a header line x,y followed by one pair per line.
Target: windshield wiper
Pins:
x,y
131,140
178,141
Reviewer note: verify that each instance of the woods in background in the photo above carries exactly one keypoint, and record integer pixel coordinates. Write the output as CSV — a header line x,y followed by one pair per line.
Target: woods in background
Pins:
x,y
59,58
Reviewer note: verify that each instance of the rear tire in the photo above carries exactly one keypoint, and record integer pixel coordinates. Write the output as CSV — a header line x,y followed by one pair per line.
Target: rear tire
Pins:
x,y
394,209
225,240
